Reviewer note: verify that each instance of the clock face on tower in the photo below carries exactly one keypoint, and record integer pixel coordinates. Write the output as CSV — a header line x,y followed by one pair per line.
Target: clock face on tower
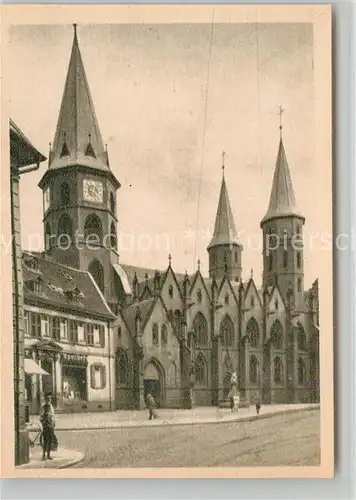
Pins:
x,y
93,191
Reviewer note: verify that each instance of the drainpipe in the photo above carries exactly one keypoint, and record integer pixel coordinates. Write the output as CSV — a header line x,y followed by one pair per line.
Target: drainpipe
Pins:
x,y
109,342
16,321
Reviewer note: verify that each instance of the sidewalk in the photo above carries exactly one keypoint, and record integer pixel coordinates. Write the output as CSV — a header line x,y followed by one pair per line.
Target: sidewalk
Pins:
x,y
61,459
167,417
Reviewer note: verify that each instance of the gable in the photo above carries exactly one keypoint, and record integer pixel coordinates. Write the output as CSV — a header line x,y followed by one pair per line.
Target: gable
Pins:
x,y
226,295
276,304
170,292
159,317
252,298
122,337
198,291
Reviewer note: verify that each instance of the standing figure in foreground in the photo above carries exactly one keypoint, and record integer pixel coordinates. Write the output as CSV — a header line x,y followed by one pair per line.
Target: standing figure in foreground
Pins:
x,y
47,420
151,406
258,403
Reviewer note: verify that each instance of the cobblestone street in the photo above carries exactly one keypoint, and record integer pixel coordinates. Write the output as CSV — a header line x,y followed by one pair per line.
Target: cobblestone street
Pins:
x,y
288,439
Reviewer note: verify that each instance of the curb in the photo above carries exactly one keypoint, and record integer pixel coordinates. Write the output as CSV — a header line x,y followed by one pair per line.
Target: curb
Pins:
x,y
73,462
163,423
67,463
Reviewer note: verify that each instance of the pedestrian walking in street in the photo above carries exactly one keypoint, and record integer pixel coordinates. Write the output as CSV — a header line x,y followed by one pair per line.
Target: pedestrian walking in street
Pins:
x,y
258,403
47,419
151,406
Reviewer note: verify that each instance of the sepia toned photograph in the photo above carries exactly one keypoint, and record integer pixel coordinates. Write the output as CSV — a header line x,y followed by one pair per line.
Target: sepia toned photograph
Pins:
x,y
166,221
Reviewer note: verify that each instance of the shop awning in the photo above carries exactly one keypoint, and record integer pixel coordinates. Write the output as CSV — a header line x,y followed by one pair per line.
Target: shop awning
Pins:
x,y
32,368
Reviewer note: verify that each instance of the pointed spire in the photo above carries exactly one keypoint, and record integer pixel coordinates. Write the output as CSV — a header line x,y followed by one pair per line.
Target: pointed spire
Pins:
x,y
224,230
77,119
281,110
169,260
282,201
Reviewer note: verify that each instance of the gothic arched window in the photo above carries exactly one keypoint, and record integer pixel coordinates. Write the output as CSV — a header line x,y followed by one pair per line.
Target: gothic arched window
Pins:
x,y
199,296
227,332
270,262
65,194
226,299
299,260
253,369
302,340
299,285
113,238
201,329
93,229
97,271
48,237
278,368
164,335
122,367
170,291
155,339
277,335
285,258
112,203
253,333
200,370
301,372
65,229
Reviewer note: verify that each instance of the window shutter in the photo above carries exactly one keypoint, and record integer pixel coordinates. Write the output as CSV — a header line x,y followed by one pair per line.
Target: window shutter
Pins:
x,y
102,336
92,376
103,377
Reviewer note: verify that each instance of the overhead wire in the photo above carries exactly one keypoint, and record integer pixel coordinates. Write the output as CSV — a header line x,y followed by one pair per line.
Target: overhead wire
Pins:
x,y
203,134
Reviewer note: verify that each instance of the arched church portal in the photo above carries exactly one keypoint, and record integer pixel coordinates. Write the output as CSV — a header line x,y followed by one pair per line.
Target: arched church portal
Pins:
x,y
153,381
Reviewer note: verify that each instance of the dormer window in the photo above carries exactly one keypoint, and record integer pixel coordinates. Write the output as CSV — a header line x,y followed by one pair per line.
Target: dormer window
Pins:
x,y
65,150
32,264
67,276
90,151
36,286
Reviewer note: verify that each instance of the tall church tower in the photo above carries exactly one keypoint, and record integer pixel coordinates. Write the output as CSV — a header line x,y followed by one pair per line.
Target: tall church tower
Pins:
x,y
225,250
79,188
283,261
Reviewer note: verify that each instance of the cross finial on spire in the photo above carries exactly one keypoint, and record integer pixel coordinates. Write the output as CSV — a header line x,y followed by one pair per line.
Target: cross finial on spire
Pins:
x,y
281,110
75,29
223,161
251,273
170,259
198,264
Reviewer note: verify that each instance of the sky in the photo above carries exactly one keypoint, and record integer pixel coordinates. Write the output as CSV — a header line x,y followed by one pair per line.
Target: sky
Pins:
x,y
167,115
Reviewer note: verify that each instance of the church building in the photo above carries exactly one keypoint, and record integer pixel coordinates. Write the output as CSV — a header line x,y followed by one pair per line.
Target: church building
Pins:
x,y
110,333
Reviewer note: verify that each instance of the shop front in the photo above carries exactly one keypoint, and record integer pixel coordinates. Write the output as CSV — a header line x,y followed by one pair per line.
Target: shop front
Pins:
x,y
74,393
41,376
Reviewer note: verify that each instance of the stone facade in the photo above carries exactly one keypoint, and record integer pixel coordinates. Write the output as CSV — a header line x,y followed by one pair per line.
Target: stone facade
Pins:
x,y
176,336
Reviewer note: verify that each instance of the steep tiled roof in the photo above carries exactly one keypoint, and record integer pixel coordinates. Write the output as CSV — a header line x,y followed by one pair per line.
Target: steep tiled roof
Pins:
x,y
224,230
145,307
282,201
22,152
63,286
77,139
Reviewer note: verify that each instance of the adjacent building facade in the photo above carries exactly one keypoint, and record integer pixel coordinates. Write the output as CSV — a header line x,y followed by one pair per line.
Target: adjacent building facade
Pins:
x,y
108,333
24,157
